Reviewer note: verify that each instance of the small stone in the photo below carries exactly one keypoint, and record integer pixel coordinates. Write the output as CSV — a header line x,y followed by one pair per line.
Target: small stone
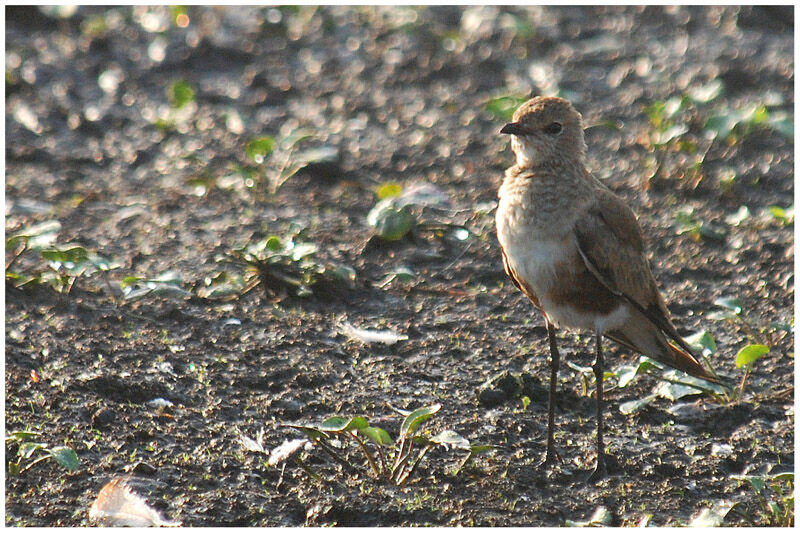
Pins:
x,y
103,418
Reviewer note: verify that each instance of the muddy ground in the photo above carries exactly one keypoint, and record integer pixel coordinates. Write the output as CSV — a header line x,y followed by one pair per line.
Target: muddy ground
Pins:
x,y
157,179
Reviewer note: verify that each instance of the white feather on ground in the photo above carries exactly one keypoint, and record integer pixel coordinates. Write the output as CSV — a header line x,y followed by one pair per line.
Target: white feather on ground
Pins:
x,y
370,336
117,505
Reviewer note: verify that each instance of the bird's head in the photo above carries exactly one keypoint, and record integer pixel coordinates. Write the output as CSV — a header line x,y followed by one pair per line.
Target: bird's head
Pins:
x,y
546,129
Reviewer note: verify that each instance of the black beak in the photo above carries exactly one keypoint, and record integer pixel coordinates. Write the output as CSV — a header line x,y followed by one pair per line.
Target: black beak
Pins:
x,y
513,128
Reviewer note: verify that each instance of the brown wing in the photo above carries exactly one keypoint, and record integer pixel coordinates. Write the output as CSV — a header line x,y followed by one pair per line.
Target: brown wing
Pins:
x,y
610,242
519,282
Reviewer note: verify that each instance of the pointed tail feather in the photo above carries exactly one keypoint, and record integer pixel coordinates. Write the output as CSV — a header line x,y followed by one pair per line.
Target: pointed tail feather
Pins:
x,y
687,363
652,343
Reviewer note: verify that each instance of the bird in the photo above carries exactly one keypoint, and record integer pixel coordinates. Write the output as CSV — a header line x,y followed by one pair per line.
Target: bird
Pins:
x,y
576,250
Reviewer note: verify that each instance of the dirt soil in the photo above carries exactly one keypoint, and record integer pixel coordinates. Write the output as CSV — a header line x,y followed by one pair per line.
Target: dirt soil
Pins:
x,y
94,142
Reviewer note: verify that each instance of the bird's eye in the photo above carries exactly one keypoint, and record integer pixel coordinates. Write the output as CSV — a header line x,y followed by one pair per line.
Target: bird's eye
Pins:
x,y
553,128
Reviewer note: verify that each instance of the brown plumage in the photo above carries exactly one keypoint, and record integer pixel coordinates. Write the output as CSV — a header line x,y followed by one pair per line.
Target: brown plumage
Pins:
x,y
576,249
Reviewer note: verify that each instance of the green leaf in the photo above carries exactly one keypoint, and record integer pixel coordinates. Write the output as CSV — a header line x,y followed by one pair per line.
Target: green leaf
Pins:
x,y
626,374
757,483
180,94
503,107
389,190
733,304
320,154
170,291
101,263
298,135
21,281
377,435
222,285
479,448
49,227
785,216
299,251
452,439
14,241
403,274
311,432
66,457
750,354
26,449
68,254
339,423
416,418
646,364
774,508
675,391
702,341
679,384
784,476
258,149
341,272
391,222
127,281
274,243
22,435
721,126
632,406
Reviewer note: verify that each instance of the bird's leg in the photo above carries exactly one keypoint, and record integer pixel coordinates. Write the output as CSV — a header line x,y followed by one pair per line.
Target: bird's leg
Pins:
x,y
552,455
600,470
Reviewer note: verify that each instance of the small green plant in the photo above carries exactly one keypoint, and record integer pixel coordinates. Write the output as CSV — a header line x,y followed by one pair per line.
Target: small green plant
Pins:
x,y
732,124
390,220
393,461
278,160
280,266
687,125
677,384
30,453
784,216
400,210
746,358
775,494
696,229
55,265
180,94
732,310
167,284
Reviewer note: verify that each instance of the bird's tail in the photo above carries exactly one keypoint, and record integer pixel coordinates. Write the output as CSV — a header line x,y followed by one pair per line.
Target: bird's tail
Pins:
x,y
651,342
688,363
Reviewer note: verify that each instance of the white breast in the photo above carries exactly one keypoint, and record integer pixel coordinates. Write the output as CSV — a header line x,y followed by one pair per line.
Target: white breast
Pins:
x,y
532,251
541,260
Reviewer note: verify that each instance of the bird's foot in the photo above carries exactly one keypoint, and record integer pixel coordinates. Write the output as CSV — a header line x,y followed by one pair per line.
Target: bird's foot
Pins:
x,y
600,470
551,458
606,465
